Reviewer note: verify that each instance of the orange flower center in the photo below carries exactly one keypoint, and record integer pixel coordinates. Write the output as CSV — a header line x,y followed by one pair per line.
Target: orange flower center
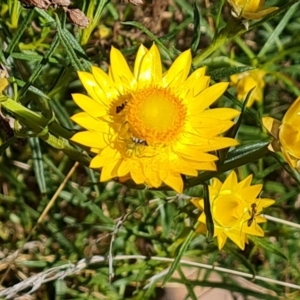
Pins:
x,y
155,115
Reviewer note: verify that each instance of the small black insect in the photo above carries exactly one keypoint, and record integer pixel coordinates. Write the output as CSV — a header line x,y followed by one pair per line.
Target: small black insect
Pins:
x,y
120,107
139,141
253,213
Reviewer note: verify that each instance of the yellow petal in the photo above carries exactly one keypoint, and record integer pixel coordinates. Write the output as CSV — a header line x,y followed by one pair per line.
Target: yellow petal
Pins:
x,y
207,97
174,180
178,71
124,168
109,171
101,160
289,137
221,240
136,174
293,112
195,83
205,144
93,89
90,106
105,82
260,14
251,192
139,56
86,121
90,139
272,125
220,113
238,239
194,153
119,68
150,71
229,182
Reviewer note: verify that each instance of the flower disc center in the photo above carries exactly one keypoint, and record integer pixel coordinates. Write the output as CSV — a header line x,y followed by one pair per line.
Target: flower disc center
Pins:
x,y
156,115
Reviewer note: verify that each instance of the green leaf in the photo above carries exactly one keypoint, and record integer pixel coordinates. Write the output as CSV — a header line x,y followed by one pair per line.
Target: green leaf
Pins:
x,y
278,30
80,53
197,31
31,89
242,258
208,215
38,164
266,245
6,144
42,63
182,249
25,24
151,36
228,71
69,47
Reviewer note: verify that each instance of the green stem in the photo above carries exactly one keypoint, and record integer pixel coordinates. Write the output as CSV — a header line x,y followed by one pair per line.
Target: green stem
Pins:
x,y
42,128
230,30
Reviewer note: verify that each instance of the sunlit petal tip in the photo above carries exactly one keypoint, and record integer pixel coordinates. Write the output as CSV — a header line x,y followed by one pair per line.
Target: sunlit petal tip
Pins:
x,y
87,78
175,181
118,63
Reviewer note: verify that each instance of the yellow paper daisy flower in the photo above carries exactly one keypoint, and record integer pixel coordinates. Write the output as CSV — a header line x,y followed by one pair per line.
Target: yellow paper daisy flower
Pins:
x,y
149,125
235,210
246,81
250,9
286,134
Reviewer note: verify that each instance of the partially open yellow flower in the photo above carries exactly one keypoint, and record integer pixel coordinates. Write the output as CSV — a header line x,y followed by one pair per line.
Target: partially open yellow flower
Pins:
x,y
3,79
246,81
286,134
250,9
148,125
235,210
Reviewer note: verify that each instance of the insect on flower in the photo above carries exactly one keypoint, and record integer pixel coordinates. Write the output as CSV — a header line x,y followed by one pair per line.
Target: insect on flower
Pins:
x,y
139,141
253,213
119,108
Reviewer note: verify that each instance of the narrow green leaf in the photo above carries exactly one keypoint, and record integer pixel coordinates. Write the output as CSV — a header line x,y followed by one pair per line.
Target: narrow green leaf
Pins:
x,y
208,215
38,164
151,36
31,88
68,47
234,129
228,71
242,258
42,63
45,15
6,144
197,31
23,26
81,55
279,28
266,245
182,249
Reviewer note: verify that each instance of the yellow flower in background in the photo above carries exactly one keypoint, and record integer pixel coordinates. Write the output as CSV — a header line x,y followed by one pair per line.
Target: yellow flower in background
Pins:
x,y
286,134
248,80
235,210
3,79
148,125
250,9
